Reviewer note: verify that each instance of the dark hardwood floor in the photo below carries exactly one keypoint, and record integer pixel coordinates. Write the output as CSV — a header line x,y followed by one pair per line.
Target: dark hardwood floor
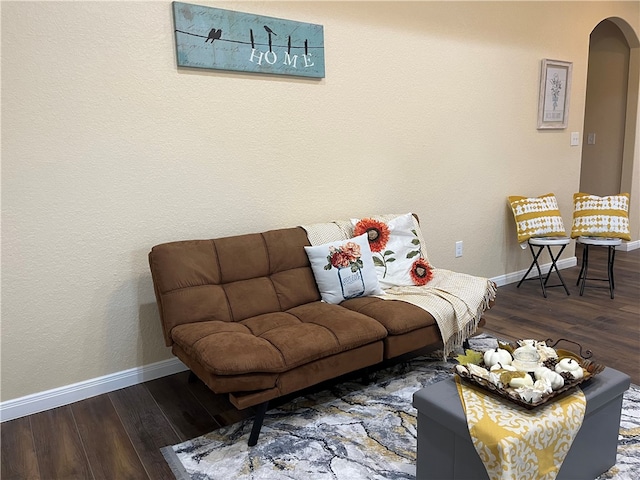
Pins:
x,y
118,435
609,328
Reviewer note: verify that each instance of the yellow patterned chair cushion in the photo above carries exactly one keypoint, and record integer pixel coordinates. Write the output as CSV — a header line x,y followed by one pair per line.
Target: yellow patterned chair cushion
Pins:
x,y
537,217
601,216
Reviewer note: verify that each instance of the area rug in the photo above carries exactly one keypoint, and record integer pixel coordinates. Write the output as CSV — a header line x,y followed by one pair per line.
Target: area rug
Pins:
x,y
350,431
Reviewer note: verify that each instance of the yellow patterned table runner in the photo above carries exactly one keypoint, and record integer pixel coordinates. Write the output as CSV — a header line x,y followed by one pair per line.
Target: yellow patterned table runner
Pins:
x,y
516,443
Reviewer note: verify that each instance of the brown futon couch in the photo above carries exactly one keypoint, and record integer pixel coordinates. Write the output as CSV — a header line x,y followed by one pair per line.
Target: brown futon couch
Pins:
x,y
244,314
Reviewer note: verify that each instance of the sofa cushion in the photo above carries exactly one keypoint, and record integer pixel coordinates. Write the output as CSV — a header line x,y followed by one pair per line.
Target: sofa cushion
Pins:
x,y
279,341
396,316
232,278
344,269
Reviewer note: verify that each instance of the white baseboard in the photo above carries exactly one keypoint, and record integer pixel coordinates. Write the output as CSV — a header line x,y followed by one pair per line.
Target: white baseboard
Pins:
x,y
39,402
57,397
628,246
516,276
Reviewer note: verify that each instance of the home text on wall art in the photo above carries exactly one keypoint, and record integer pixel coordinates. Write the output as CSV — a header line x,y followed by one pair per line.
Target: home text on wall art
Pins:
x,y
555,91
220,39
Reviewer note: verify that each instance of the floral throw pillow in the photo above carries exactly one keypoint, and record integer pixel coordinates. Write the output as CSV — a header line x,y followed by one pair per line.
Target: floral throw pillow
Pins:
x,y
396,250
344,269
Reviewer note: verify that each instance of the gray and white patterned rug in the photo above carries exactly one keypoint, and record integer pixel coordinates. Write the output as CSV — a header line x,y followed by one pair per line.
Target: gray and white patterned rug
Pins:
x,y
350,431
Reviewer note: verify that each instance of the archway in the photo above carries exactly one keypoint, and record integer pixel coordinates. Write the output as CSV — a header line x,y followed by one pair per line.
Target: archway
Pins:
x,y
611,106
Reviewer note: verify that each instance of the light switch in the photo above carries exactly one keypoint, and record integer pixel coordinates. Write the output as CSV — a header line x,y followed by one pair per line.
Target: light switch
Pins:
x,y
575,138
591,139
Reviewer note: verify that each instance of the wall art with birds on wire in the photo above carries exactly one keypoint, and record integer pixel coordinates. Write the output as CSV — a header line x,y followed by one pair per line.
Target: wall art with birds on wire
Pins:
x,y
214,38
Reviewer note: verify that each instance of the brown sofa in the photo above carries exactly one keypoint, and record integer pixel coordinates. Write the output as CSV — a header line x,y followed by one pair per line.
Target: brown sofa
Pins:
x,y
244,314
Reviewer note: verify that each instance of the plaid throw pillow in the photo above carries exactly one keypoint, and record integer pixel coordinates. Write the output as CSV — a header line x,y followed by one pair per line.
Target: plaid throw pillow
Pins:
x,y
595,216
537,217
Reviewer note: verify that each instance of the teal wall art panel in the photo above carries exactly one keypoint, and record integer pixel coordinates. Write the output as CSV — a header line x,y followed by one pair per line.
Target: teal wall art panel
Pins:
x,y
219,39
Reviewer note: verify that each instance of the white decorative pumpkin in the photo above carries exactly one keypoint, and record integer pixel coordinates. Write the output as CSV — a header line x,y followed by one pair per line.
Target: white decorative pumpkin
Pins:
x,y
555,379
571,366
497,355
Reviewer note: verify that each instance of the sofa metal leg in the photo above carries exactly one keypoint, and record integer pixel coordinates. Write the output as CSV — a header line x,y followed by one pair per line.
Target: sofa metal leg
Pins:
x,y
367,377
257,423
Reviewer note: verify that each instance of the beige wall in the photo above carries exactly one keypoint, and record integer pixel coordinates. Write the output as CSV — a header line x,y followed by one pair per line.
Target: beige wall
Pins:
x,y
108,149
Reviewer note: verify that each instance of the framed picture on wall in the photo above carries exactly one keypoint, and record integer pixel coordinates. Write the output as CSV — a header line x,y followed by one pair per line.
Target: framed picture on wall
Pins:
x,y
218,39
555,91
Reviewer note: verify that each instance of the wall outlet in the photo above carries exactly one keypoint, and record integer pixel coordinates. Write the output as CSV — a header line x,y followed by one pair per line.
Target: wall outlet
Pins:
x,y
459,248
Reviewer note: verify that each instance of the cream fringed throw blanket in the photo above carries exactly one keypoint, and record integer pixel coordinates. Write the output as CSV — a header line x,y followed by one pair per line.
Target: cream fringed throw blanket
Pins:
x,y
455,300
515,443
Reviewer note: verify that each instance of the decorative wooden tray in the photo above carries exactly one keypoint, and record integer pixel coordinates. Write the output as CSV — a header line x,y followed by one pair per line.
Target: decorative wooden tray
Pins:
x,y
590,369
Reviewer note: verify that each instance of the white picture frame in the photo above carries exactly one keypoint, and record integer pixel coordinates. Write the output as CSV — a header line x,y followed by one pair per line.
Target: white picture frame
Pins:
x,y
554,95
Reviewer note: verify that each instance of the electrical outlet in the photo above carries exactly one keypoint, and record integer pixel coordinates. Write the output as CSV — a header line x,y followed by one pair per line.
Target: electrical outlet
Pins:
x,y
459,248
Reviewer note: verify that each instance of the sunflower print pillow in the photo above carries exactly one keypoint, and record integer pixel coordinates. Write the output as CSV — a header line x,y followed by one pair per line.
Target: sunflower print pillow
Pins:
x,y
396,250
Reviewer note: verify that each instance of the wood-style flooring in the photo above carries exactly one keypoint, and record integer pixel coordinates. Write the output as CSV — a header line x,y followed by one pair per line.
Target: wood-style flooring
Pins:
x,y
609,328
119,435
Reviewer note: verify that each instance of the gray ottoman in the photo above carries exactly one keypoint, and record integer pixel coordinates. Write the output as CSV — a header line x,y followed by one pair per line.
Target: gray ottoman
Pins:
x,y
445,450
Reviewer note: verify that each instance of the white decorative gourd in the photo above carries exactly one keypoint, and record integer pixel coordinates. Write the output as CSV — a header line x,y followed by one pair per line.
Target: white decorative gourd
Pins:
x,y
497,355
571,366
555,379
